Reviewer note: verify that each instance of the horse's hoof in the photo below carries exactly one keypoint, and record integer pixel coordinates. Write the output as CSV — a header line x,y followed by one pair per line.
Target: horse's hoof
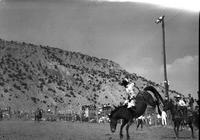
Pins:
x,y
128,137
110,138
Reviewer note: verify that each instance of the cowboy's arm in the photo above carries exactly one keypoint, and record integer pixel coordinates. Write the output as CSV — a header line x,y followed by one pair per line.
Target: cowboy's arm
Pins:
x,y
125,102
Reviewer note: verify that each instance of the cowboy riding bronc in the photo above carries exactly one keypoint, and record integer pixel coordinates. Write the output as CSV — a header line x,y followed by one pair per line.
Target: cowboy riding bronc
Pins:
x,y
130,101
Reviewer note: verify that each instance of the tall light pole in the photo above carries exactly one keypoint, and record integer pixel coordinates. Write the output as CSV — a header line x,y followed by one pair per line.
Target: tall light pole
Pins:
x,y
161,20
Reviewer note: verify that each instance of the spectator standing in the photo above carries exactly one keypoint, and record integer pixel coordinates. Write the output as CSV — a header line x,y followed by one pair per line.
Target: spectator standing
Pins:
x,y
164,118
191,101
140,121
158,119
149,119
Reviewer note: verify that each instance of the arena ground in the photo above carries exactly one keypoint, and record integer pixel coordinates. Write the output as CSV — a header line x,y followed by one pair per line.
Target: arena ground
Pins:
x,y
30,130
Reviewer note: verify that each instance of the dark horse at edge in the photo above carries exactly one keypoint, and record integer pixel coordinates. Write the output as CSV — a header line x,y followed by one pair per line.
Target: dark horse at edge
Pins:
x,y
178,117
127,115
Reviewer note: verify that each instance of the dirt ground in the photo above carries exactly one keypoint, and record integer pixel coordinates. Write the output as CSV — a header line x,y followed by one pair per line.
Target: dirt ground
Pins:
x,y
30,130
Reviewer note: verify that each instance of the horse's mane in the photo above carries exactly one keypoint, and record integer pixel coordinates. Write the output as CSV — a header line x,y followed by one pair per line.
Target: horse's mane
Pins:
x,y
116,108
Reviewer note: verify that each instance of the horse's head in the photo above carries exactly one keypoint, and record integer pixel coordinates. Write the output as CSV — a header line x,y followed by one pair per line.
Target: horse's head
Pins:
x,y
168,104
113,119
113,124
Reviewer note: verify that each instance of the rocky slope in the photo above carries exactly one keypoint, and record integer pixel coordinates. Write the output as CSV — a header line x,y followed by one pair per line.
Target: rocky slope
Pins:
x,y
34,76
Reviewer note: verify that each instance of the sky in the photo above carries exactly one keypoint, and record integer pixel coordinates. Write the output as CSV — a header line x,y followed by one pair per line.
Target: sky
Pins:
x,y
123,31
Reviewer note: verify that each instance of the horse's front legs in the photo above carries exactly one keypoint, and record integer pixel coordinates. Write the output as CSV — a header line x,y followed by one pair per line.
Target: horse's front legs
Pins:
x,y
176,129
127,128
124,122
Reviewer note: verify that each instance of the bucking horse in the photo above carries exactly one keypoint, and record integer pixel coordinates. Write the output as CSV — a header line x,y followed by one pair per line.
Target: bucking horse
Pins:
x,y
127,115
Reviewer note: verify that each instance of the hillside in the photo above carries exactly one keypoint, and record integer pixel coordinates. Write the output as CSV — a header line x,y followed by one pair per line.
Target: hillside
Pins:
x,y
34,76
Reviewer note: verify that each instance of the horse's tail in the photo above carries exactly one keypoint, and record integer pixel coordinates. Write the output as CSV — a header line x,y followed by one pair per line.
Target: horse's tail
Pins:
x,y
156,94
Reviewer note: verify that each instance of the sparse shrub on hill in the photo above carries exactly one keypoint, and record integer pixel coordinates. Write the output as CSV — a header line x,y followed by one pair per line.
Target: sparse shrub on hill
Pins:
x,y
51,76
